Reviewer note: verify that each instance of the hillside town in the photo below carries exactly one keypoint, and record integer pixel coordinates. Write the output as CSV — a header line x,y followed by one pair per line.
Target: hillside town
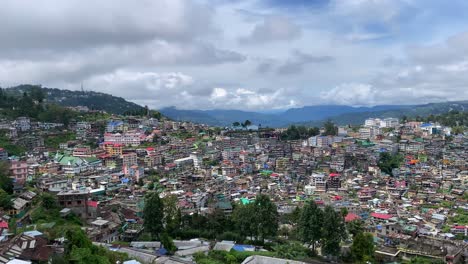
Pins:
x,y
402,182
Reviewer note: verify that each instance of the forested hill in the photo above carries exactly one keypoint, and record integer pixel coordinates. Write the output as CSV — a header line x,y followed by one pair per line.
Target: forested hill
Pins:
x,y
90,99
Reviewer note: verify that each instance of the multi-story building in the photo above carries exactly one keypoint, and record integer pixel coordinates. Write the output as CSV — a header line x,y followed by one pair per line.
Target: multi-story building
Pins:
x,y
386,122
389,122
370,122
197,160
282,164
369,132
334,181
114,126
319,181
320,141
135,171
23,123
19,170
82,152
153,160
113,149
76,201
128,138
129,159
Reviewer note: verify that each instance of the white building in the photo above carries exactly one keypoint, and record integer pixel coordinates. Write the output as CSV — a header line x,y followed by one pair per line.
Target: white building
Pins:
x,y
389,122
128,139
23,123
369,132
372,122
386,122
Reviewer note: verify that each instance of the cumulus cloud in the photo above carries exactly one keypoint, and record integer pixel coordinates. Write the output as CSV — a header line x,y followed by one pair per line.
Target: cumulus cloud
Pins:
x,y
350,94
272,29
295,64
55,24
238,54
250,99
428,73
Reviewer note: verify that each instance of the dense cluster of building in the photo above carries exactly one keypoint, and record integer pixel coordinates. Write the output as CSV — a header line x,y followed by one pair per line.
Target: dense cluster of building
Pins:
x,y
412,211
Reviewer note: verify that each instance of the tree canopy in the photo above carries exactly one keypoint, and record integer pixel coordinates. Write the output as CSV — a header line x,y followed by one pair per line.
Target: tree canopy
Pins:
x,y
153,214
299,132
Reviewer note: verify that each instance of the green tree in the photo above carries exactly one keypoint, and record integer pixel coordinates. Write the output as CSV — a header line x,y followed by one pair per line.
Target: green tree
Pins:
x,y
236,124
153,214
333,231
422,260
388,162
355,227
258,219
172,214
49,201
362,249
330,128
168,244
85,256
247,123
5,200
244,219
310,224
266,214
76,238
458,130
6,183
295,216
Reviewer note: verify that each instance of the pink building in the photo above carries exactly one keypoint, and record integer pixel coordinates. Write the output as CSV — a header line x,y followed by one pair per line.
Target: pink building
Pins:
x,y
134,171
19,170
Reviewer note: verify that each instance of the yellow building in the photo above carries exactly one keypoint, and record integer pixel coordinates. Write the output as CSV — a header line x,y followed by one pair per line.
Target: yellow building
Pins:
x,y
113,149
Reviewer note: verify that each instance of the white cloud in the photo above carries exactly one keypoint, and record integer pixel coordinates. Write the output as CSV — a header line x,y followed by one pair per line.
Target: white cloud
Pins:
x,y
273,28
350,94
218,93
192,54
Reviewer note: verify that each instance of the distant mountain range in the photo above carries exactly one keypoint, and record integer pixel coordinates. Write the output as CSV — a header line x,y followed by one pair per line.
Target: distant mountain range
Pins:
x,y
90,99
307,115
311,115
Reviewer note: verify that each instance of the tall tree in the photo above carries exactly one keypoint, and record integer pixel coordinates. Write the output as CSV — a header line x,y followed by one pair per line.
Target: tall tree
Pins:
x,y
153,214
49,201
355,227
172,214
333,231
310,224
330,128
362,249
168,243
258,219
6,183
266,214
5,200
244,219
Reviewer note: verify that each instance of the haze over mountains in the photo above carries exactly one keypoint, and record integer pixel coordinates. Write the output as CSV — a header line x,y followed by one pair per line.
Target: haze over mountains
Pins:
x,y
307,115
311,115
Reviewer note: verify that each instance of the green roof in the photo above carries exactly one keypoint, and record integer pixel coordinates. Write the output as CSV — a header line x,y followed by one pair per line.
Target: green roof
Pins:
x,y
64,160
245,201
223,205
91,159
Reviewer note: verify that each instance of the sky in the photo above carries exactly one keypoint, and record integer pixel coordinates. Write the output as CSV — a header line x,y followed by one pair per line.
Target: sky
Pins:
x,y
238,54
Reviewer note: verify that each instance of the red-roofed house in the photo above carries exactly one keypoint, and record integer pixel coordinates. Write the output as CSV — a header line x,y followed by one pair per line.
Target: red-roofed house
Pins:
x,y
351,217
93,204
381,216
460,229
